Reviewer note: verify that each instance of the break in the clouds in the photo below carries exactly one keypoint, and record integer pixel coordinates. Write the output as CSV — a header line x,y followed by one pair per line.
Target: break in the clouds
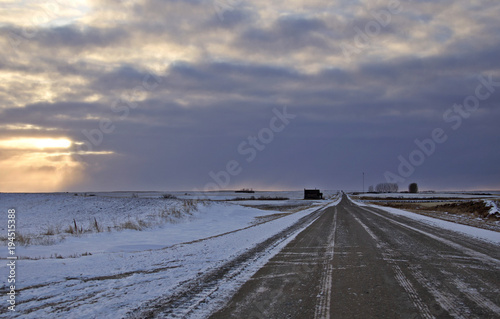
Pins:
x,y
171,95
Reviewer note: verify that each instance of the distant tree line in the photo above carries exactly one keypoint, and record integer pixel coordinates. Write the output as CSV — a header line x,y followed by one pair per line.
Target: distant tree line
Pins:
x,y
391,188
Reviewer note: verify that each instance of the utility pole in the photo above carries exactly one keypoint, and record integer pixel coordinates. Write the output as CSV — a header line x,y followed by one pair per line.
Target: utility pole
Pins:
x,y
363,182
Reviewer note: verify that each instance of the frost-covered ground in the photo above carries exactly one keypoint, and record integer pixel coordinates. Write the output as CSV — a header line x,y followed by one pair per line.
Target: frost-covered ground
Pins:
x,y
48,218
441,195
110,273
488,235
125,224
490,221
493,204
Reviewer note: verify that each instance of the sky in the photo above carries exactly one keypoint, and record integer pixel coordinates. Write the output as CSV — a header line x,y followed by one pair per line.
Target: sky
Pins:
x,y
103,95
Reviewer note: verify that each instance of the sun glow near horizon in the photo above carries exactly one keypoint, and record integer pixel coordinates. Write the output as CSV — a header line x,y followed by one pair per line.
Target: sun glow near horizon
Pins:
x,y
24,143
33,164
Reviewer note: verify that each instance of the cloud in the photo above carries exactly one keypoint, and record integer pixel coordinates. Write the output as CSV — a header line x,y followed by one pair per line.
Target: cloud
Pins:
x,y
184,83
83,38
286,36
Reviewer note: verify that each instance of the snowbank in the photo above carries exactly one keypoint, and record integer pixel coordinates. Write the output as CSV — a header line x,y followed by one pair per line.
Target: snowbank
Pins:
x,y
479,233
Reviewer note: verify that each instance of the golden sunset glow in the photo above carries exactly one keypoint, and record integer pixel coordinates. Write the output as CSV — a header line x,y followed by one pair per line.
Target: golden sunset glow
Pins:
x,y
39,172
37,164
35,143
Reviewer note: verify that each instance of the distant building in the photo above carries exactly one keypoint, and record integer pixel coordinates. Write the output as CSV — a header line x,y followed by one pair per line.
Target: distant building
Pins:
x,y
312,194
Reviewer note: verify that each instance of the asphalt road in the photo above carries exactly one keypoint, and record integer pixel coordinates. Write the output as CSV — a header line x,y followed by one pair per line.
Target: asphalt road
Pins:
x,y
359,262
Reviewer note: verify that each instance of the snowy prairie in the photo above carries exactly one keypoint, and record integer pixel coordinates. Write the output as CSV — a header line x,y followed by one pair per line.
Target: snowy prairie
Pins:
x,y
126,224
110,273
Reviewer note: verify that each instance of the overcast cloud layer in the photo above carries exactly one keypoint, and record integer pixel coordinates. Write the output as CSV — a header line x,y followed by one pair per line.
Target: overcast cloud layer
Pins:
x,y
181,95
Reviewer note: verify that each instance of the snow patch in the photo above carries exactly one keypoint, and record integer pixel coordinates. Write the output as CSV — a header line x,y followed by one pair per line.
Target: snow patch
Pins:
x,y
493,208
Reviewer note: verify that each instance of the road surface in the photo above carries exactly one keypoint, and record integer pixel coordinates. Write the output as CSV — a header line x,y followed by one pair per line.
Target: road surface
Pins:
x,y
361,262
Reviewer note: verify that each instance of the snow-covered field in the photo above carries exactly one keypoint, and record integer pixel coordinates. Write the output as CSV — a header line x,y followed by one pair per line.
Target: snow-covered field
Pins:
x,y
108,273
125,224
215,195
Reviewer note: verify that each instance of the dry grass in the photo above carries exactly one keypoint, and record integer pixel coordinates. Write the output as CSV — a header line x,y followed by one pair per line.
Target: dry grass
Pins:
x,y
472,213
50,231
472,208
23,240
56,256
130,225
169,214
70,230
96,226
475,208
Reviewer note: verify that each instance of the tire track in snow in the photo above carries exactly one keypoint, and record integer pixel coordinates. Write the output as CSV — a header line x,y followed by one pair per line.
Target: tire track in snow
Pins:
x,y
446,300
475,296
445,295
493,261
388,256
323,306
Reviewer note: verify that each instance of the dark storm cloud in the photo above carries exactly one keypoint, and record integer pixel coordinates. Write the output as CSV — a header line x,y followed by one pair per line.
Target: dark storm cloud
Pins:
x,y
126,76
230,78
67,36
285,35
70,36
